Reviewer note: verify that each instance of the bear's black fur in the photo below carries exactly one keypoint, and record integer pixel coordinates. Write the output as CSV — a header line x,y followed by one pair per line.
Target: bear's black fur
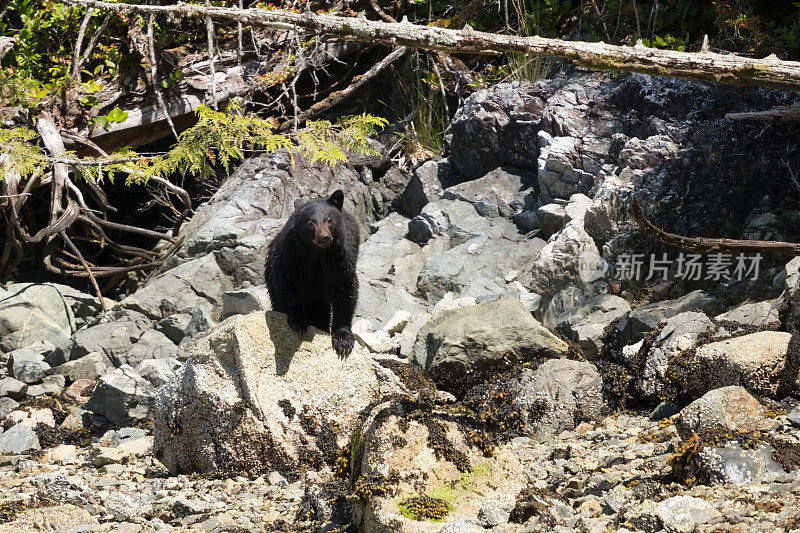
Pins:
x,y
311,269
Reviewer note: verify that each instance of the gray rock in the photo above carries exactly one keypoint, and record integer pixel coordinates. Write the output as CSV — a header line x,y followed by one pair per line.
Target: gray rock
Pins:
x,y
126,435
461,347
500,193
586,325
734,465
493,512
244,301
560,168
389,261
725,409
563,261
13,388
426,186
33,312
90,366
757,314
151,345
175,326
19,439
7,405
551,218
113,338
601,218
378,301
647,317
663,410
463,525
457,220
563,301
577,207
791,287
478,267
123,397
559,394
793,416
158,371
650,152
683,514
27,366
52,385
679,333
84,306
186,287
496,127
201,320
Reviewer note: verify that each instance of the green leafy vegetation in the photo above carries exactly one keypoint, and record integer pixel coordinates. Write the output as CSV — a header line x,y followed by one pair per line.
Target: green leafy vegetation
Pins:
x,y
217,138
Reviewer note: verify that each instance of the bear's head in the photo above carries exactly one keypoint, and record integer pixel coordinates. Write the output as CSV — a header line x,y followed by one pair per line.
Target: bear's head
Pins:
x,y
318,222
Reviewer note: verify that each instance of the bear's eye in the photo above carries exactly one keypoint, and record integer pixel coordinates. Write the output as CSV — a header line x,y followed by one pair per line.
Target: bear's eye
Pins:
x,y
329,221
310,224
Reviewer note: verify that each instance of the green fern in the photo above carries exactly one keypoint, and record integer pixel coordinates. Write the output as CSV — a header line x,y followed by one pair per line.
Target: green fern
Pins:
x,y
23,156
217,138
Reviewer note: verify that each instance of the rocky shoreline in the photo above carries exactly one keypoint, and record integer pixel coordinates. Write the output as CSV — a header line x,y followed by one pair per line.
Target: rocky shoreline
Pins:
x,y
513,371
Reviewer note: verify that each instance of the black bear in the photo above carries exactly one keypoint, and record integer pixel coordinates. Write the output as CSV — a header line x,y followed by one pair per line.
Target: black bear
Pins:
x,y
311,269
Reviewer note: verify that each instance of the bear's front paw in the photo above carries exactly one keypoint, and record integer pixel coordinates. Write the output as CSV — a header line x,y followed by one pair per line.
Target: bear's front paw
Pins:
x,y
343,341
297,323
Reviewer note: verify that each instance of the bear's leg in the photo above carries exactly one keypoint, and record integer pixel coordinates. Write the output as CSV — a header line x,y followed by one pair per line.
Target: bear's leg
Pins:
x,y
344,307
318,314
297,319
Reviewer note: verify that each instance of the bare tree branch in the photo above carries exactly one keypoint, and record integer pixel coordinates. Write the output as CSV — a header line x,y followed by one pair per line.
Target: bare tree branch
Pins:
x,y
210,39
339,96
707,245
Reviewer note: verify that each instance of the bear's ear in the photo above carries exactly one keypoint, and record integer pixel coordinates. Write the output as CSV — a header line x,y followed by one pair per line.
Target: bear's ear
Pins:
x,y
298,204
337,199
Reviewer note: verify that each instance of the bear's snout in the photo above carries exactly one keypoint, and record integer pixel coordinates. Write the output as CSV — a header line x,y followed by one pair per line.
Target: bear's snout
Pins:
x,y
322,237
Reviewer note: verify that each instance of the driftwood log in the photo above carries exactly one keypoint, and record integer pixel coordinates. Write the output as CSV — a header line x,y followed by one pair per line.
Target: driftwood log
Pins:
x,y
704,65
707,244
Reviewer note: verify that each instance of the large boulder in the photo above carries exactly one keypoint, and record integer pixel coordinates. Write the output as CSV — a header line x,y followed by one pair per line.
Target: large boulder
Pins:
x,y
196,283
123,397
503,192
252,399
760,361
462,347
586,325
728,409
563,261
644,319
680,333
33,312
113,338
558,395
497,127
407,457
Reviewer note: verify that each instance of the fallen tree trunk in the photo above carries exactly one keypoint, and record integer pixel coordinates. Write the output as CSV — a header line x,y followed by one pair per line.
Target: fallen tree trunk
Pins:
x,y
704,66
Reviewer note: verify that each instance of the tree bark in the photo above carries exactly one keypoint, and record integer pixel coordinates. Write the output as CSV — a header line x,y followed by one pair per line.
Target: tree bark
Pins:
x,y
704,66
